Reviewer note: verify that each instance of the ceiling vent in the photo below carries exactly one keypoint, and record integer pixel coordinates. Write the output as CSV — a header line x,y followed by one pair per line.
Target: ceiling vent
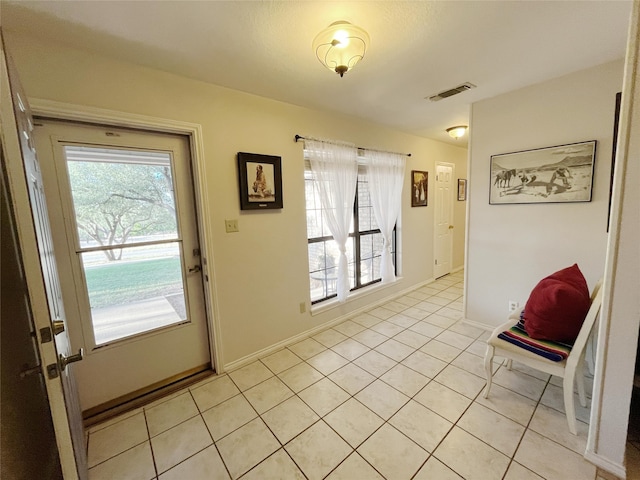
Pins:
x,y
452,91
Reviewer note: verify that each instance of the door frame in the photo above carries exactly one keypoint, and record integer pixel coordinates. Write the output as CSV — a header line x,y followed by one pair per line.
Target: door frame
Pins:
x,y
435,216
81,113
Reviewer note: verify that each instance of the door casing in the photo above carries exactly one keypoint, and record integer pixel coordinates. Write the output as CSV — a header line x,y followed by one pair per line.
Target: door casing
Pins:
x,y
111,361
64,111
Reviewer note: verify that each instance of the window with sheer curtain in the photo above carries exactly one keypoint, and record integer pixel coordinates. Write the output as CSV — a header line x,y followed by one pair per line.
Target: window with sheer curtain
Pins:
x,y
365,242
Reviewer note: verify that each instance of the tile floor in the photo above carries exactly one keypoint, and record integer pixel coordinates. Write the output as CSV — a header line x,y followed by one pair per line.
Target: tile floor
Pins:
x,y
393,393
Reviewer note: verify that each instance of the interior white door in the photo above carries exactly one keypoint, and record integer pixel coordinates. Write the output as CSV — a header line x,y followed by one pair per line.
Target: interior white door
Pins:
x,y
443,219
132,270
40,270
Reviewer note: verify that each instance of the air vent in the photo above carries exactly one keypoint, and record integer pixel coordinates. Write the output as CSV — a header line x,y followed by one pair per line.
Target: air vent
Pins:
x,y
452,91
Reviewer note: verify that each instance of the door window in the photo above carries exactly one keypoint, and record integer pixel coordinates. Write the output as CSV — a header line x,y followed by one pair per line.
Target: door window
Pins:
x,y
128,239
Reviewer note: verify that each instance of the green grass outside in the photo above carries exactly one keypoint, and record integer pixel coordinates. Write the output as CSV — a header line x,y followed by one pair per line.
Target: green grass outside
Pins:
x,y
118,283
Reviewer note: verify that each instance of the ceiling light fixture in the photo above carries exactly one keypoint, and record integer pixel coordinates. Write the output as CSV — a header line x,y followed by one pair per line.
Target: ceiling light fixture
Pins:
x,y
340,46
457,132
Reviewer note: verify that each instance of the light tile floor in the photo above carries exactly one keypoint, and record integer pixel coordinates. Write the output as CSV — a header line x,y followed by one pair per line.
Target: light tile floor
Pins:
x,y
393,393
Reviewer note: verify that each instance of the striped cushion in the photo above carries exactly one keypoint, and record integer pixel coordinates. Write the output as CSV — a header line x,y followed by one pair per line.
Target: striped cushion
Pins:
x,y
553,351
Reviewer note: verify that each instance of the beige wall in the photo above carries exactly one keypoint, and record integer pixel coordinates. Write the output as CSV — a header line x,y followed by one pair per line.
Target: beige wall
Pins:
x,y
512,247
261,271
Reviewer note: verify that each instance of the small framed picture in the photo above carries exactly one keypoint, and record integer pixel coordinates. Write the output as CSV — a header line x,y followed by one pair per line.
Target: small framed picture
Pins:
x,y
419,190
260,181
462,189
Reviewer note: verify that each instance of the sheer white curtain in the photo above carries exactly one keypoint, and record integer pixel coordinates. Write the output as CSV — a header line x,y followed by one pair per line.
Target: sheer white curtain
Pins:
x,y
385,174
335,172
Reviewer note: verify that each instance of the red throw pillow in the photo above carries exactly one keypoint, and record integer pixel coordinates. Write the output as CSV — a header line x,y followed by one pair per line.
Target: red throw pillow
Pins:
x,y
558,306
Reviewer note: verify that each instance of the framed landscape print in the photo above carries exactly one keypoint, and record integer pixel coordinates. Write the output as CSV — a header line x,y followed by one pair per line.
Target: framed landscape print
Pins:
x,y
260,179
559,174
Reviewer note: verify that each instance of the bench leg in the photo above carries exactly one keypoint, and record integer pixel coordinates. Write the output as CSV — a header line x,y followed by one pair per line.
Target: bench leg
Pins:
x,y
488,368
582,395
569,406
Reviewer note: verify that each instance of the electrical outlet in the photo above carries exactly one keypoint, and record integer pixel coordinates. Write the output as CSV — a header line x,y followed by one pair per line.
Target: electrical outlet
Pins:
x,y
513,305
231,226
303,307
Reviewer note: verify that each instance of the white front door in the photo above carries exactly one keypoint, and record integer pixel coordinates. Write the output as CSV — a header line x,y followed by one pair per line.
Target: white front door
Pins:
x,y
127,225
25,187
444,219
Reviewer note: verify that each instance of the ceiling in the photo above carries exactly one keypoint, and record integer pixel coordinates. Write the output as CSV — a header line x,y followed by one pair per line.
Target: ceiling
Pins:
x,y
417,49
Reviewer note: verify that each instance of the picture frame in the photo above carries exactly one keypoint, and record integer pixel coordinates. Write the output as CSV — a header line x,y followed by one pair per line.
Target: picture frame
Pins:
x,y
462,189
419,188
558,174
259,181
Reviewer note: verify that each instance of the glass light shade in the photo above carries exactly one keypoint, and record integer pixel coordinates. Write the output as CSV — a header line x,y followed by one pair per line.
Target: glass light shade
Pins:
x,y
340,46
457,132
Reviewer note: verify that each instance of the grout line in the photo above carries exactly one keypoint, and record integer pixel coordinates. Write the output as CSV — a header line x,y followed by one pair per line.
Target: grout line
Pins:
x,y
153,457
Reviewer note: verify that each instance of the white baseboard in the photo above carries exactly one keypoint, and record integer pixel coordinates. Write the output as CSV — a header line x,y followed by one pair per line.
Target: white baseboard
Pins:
x,y
605,464
483,326
309,333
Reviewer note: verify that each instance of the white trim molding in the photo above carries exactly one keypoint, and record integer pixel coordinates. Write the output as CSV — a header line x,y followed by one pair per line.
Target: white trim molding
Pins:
x,y
83,113
604,463
309,333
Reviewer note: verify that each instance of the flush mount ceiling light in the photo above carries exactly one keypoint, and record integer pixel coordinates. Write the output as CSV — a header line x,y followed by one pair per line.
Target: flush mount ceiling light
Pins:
x,y
340,46
457,132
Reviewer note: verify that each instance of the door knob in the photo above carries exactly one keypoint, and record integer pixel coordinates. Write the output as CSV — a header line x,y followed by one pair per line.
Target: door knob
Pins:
x,y
194,269
64,361
450,227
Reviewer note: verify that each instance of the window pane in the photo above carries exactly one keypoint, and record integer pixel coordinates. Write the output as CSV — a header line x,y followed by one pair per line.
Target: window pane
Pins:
x,y
370,252
366,246
323,267
121,196
367,274
366,216
139,292
314,223
324,255
377,241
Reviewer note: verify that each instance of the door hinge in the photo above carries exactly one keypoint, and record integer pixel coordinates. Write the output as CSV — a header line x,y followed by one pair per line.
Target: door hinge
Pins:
x,y
436,261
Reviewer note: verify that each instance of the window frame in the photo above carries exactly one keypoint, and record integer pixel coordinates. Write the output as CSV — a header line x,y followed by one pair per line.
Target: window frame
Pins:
x,y
356,235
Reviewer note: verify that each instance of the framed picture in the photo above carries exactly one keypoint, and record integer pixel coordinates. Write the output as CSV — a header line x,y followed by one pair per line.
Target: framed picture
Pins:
x,y
462,189
419,191
260,181
559,174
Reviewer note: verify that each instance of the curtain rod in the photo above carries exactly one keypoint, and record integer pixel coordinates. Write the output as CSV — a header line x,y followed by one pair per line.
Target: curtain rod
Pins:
x,y
300,137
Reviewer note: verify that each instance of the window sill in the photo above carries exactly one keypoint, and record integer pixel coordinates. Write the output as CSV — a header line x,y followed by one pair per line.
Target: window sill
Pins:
x,y
360,293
